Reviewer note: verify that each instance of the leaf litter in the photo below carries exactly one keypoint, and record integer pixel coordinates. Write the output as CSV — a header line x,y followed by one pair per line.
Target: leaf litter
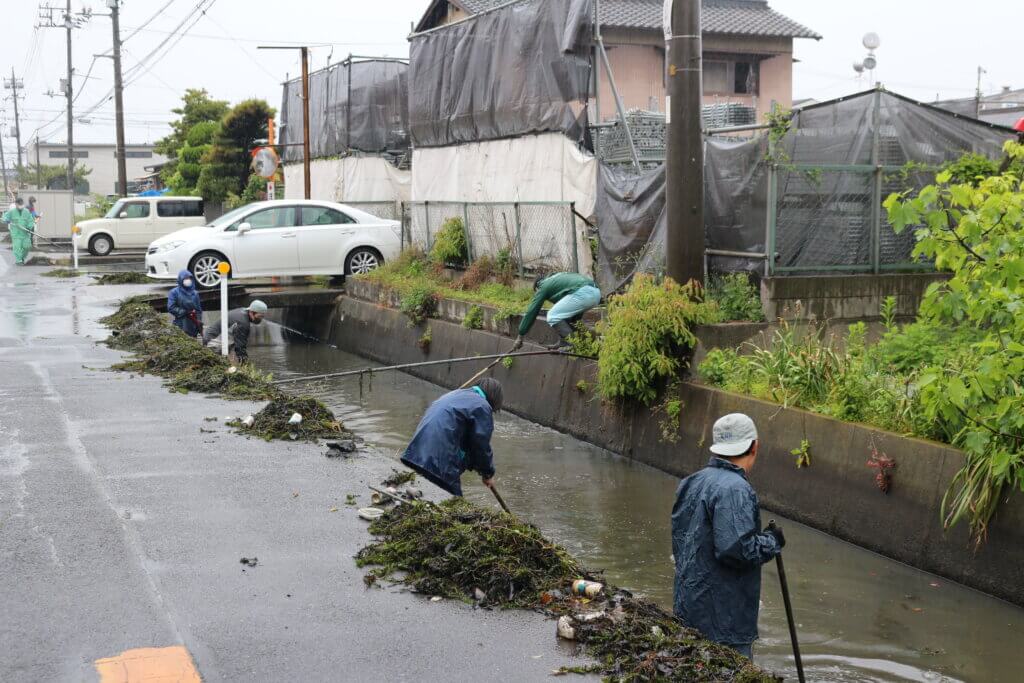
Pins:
x,y
461,551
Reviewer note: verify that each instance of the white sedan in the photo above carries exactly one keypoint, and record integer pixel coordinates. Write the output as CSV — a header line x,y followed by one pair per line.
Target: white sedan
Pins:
x,y
280,237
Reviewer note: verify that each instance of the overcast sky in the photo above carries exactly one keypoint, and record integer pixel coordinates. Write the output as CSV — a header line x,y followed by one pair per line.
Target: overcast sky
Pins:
x,y
929,48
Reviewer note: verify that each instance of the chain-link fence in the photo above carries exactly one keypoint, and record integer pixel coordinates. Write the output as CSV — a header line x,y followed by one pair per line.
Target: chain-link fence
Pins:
x,y
535,235
388,210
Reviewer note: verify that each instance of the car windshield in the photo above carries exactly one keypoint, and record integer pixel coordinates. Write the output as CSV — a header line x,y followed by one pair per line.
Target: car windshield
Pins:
x,y
230,217
115,210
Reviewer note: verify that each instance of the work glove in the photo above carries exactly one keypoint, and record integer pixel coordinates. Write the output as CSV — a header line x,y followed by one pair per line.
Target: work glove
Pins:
x,y
518,343
780,537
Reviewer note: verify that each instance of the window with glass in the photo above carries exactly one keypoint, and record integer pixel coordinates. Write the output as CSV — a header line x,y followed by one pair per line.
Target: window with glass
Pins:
x,y
130,209
278,217
322,215
177,208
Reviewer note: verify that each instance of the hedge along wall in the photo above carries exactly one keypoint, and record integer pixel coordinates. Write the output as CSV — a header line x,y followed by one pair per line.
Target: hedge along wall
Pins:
x,y
837,494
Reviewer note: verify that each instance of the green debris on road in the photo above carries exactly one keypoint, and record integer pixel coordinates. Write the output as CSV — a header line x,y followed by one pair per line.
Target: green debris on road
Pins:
x,y
162,349
275,420
126,278
63,273
464,552
399,478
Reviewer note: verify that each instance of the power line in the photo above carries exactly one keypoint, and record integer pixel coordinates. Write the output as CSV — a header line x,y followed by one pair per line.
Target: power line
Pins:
x,y
296,43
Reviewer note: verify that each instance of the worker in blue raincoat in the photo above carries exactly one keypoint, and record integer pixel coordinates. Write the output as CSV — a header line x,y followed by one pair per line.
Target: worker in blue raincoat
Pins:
x,y
717,540
184,305
455,435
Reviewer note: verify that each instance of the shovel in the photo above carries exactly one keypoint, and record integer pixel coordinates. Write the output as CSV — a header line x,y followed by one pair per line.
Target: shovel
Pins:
x,y
789,611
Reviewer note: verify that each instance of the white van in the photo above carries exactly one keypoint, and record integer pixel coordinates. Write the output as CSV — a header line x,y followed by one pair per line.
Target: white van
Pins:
x,y
134,222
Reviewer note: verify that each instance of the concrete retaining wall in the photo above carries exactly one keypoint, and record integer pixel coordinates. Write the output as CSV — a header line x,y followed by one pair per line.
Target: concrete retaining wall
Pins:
x,y
836,494
844,297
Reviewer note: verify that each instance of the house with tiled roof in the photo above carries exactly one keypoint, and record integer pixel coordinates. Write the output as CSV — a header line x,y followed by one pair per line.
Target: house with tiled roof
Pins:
x,y
748,50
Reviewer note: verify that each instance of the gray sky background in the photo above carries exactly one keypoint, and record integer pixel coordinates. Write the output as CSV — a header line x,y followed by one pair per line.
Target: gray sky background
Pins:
x,y
929,48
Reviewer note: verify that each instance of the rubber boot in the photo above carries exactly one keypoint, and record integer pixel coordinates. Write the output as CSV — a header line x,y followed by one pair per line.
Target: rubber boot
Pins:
x,y
564,330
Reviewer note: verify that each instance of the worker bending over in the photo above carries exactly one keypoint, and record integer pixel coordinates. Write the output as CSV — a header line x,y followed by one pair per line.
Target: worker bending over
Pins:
x,y
21,224
455,435
240,322
572,295
717,542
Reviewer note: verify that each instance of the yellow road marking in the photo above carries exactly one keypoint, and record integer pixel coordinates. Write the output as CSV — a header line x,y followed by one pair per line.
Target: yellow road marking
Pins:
x,y
150,665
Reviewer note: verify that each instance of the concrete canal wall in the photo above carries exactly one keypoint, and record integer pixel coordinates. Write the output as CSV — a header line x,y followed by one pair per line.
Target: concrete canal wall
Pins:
x,y
836,494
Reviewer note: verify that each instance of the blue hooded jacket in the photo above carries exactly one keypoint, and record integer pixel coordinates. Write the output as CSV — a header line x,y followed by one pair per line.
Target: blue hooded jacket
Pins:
x,y
719,549
181,301
453,436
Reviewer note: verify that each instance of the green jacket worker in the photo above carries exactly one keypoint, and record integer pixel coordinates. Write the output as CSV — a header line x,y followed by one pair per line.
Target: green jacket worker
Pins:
x,y
572,295
21,224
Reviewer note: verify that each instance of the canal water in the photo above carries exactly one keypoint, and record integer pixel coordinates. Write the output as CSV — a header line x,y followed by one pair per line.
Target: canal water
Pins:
x,y
861,617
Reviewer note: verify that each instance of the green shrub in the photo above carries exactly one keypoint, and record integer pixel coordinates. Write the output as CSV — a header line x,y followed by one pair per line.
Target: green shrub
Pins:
x,y
419,303
474,319
645,336
737,298
450,243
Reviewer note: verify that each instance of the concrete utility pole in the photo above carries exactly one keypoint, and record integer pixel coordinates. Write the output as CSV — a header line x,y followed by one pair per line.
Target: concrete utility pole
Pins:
x,y
684,242
69,22
13,86
305,110
69,91
119,152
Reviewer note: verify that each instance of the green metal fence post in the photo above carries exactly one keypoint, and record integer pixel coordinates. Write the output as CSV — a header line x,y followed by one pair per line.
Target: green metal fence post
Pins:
x,y
465,232
519,239
426,223
876,189
773,217
575,246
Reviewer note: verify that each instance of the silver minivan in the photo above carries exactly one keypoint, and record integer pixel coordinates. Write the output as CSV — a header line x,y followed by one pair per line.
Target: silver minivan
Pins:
x,y
134,222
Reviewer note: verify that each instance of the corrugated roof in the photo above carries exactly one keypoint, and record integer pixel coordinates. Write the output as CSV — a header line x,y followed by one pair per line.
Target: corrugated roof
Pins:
x,y
731,17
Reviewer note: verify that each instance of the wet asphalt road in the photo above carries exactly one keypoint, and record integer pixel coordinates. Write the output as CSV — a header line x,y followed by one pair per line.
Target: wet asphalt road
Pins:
x,y
122,523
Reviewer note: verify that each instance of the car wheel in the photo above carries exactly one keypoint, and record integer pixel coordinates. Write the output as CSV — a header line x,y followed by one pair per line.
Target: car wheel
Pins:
x,y
101,245
362,261
204,269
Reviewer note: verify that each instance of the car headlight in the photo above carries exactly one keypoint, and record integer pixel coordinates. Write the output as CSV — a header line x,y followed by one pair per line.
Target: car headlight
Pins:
x,y
169,246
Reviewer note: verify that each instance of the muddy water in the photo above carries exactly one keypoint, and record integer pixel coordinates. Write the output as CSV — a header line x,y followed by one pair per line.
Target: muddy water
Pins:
x,y
861,617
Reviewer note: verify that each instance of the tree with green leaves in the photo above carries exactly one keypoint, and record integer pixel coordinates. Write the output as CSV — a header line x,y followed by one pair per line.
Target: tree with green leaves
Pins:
x,y
225,166
972,225
54,177
197,109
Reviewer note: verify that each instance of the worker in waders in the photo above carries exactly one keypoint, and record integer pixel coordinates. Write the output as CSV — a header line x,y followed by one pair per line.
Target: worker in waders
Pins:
x,y
21,224
572,295
240,322
455,435
717,540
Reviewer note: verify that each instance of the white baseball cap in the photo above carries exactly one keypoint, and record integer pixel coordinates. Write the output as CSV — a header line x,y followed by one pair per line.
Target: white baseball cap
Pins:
x,y
257,306
733,435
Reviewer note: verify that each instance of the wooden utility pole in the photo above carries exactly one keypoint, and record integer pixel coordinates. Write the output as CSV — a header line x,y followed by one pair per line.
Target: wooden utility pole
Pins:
x,y
684,241
305,109
119,152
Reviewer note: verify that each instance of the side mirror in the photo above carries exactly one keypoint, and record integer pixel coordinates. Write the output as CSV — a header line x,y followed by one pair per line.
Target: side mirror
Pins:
x,y
123,214
244,228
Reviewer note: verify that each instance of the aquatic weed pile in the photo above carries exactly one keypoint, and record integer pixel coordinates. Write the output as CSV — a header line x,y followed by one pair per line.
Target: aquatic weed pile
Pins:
x,y
62,273
455,548
162,349
127,278
460,551
274,421
398,478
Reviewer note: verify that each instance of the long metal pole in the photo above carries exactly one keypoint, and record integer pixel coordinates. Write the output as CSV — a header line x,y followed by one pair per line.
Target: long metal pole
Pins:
x,y
789,612
597,62
685,160
119,151
348,109
468,359
305,122
618,104
17,120
39,169
69,91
